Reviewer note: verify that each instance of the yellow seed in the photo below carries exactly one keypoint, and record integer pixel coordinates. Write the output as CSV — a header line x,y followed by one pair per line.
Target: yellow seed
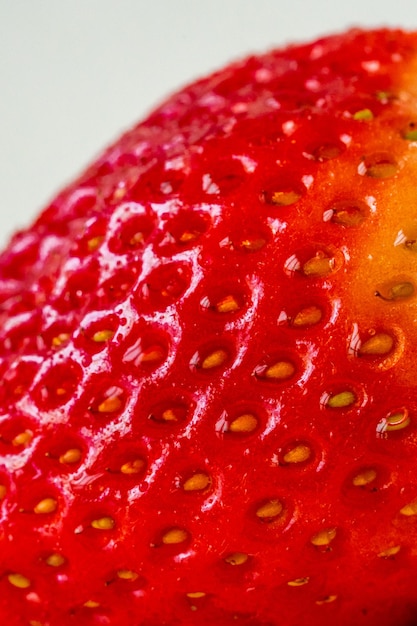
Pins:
x,y
298,582
409,509
3,491
228,304
175,535
110,405
214,359
188,236
94,242
363,114
364,478
280,370
252,245
378,345
397,421
307,317
152,354
284,198
319,265
137,238
60,339
245,423
196,594
91,604
270,509
55,560
127,574
103,523
34,622
326,600
197,482
169,416
60,391
236,558
47,505
22,439
298,454
19,581
73,455
323,537
133,467
103,335
341,400
389,552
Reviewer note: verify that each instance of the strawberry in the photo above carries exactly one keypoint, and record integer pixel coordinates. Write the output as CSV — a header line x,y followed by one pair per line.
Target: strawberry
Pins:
x,y
208,395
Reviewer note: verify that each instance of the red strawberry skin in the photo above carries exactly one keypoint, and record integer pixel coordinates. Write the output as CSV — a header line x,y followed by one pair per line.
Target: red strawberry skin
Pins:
x,y
208,352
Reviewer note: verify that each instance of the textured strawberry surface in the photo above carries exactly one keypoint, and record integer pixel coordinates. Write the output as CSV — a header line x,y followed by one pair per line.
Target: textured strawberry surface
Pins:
x,y
208,354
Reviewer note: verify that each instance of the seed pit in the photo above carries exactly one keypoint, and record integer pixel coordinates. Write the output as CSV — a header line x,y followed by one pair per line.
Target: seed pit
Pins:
x,y
109,400
59,385
171,411
183,231
132,234
165,285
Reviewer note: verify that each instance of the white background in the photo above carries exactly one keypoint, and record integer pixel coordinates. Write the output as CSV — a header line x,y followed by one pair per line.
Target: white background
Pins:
x,y
75,73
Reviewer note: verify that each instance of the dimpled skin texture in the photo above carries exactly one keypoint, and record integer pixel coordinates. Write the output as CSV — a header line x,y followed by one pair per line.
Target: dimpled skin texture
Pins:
x,y
208,395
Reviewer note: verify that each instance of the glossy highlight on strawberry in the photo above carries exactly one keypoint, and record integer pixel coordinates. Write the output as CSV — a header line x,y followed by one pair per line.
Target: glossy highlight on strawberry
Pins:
x,y
207,357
